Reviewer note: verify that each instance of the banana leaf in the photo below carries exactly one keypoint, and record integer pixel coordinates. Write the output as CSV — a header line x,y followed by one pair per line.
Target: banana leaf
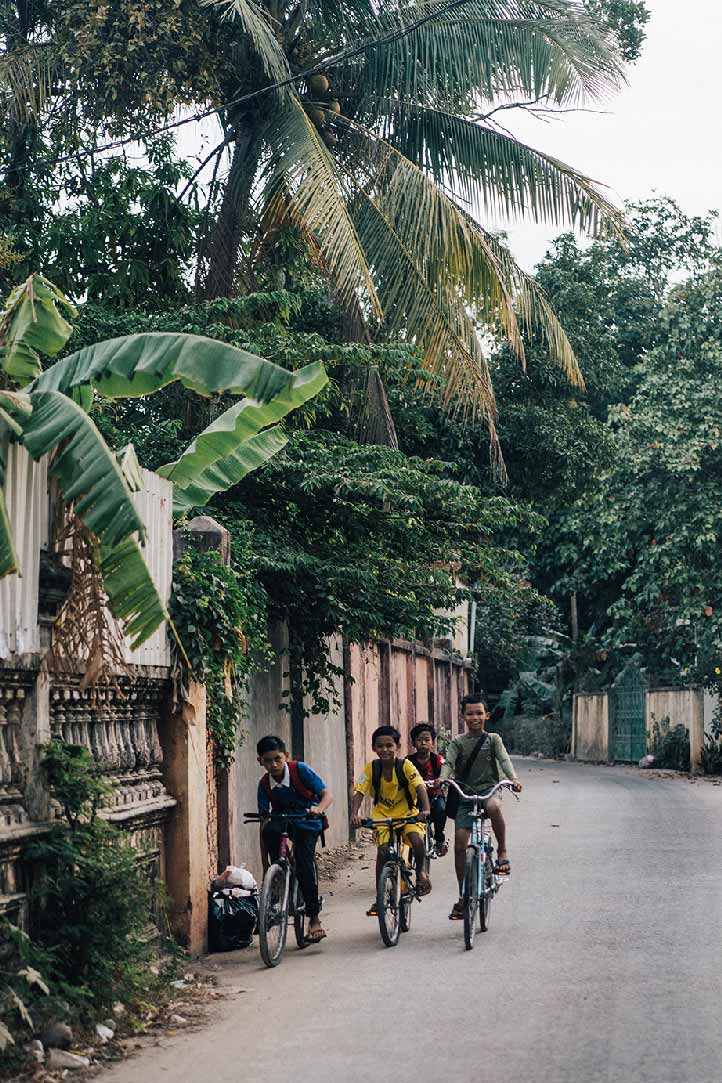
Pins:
x,y
228,471
8,556
137,365
31,322
225,436
132,595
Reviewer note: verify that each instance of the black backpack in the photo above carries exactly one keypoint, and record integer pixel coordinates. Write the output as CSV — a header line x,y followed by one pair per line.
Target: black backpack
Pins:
x,y
377,768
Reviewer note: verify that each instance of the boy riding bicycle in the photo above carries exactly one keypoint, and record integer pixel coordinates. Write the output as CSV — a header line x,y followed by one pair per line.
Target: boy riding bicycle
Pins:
x,y
428,763
398,790
475,760
291,786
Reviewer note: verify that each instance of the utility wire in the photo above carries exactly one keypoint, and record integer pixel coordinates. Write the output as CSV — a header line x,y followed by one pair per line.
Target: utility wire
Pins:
x,y
321,66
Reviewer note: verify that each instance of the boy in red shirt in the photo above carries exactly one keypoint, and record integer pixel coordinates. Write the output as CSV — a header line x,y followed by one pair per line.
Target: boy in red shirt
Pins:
x,y
428,763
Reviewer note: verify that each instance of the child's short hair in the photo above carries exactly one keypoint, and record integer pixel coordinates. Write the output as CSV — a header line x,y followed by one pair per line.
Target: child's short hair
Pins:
x,y
270,744
423,727
385,731
475,697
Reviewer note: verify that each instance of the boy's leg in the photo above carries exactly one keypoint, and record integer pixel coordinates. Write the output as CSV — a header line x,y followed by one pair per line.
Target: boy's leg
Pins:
x,y
416,842
438,818
304,849
461,841
382,852
493,811
271,838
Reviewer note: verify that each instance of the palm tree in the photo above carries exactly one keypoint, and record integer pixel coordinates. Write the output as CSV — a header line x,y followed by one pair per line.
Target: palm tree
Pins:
x,y
385,159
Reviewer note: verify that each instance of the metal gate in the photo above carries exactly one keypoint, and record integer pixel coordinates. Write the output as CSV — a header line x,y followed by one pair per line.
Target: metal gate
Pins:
x,y
628,715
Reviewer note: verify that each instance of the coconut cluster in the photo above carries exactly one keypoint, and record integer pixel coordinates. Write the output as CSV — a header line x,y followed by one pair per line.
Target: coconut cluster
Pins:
x,y
323,108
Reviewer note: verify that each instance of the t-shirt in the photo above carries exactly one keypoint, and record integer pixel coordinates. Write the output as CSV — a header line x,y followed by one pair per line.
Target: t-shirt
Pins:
x,y
426,770
492,761
286,799
392,799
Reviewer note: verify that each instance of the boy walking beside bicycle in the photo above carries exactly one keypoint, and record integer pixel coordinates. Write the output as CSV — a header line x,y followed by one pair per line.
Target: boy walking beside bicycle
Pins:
x,y
477,760
398,791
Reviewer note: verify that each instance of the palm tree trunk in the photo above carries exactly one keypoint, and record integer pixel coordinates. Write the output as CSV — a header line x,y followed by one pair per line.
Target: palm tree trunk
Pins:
x,y
225,241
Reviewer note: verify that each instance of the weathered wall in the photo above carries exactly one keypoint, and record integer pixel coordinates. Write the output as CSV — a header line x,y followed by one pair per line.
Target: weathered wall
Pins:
x,y
590,728
683,706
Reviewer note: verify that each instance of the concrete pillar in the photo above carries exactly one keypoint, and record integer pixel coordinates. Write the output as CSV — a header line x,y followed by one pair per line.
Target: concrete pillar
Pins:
x,y
183,737
696,731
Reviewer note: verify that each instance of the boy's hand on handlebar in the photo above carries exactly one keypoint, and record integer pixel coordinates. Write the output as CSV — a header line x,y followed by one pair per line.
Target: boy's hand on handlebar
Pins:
x,y
314,810
356,821
424,814
516,785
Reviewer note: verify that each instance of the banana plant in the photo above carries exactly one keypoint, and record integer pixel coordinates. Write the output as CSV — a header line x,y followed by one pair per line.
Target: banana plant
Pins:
x,y
47,413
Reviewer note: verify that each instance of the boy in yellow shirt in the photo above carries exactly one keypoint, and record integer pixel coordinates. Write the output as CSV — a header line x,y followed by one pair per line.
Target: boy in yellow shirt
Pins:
x,y
398,790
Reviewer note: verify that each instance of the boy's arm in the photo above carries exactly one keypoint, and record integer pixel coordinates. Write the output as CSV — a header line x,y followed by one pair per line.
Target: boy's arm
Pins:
x,y
324,802
356,801
447,767
422,797
505,764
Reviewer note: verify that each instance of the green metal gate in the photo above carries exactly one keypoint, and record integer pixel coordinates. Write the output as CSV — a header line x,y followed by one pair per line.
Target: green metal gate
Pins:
x,y
628,715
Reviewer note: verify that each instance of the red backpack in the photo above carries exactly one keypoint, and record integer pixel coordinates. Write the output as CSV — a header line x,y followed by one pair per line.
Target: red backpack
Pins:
x,y
297,785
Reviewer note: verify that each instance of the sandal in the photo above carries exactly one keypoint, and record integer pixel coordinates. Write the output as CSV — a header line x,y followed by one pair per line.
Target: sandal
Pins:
x,y
423,888
502,868
372,912
457,912
315,936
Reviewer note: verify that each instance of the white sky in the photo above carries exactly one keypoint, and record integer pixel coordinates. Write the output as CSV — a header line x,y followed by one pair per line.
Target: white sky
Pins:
x,y
662,134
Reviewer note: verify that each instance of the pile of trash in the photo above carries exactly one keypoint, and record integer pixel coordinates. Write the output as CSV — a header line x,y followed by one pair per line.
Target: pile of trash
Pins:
x,y
232,909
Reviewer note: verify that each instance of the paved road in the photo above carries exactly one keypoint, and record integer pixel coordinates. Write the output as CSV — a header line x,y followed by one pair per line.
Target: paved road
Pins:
x,y
603,961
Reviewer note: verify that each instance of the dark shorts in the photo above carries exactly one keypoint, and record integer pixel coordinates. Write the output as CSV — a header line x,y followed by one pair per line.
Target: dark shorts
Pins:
x,y
464,812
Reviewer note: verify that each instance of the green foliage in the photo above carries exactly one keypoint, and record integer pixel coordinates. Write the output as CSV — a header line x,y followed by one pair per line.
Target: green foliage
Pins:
x,y
221,617
626,19
25,997
525,734
712,754
670,745
92,899
643,545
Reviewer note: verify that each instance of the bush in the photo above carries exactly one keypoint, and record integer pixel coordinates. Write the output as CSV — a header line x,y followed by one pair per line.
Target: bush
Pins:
x,y
523,735
93,902
670,746
712,754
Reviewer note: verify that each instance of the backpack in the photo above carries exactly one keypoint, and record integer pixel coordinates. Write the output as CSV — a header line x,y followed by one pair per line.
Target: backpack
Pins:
x,y
297,785
377,768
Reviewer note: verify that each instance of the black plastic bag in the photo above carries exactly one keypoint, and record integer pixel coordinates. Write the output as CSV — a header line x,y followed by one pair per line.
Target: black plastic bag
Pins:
x,y
232,920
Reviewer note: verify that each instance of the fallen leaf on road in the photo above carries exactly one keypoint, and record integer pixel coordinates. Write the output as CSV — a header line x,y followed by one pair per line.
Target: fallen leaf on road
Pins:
x,y
555,780
554,825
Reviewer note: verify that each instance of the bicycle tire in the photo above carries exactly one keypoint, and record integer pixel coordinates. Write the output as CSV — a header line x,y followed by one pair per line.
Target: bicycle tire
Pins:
x,y
485,901
273,915
387,907
299,916
470,896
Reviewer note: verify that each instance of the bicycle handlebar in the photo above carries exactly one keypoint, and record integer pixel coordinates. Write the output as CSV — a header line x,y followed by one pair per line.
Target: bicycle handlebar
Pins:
x,y
259,817
504,784
392,820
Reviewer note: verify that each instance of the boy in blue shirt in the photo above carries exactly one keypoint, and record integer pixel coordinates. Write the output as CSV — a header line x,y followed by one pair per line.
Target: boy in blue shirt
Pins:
x,y
291,786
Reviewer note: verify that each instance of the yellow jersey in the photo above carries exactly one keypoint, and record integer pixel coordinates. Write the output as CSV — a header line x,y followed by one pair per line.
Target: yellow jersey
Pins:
x,y
392,798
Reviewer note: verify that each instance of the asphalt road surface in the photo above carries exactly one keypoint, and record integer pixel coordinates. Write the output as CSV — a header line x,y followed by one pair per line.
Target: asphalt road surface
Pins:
x,y
603,961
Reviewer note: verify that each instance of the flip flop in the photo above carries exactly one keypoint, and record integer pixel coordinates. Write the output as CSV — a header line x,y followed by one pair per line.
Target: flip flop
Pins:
x,y
503,868
316,936
457,912
372,912
423,888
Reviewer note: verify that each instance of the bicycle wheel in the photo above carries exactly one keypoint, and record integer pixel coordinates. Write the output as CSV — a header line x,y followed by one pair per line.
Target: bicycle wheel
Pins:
x,y
299,916
470,896
485,901
387,904
273,915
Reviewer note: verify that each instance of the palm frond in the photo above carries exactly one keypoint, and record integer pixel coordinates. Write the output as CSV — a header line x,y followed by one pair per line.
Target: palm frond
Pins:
x,y
487,50
26,77
8,557
301,166
491,169
256,23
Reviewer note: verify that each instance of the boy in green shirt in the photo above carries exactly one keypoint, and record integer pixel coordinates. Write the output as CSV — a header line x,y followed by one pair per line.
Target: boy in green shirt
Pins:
x,y
477,760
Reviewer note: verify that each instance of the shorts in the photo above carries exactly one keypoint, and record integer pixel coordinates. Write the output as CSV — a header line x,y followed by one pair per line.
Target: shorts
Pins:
x,y
465,810
382,834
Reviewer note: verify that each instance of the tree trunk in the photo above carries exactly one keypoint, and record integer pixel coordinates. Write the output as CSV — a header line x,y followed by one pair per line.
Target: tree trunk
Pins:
x,y
225,241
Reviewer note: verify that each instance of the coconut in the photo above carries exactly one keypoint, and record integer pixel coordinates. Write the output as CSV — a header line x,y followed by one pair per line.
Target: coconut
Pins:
x,y
318,84
334,106
316,115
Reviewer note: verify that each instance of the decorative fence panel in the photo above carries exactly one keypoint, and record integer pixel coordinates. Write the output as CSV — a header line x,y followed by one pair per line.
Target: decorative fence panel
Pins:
x,y
26,497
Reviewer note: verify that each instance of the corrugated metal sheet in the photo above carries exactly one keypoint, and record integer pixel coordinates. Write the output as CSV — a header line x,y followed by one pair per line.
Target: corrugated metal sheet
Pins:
x,y
155,504
26,495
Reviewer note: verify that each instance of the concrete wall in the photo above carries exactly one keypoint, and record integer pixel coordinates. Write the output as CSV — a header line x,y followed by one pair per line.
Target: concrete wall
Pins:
x,y
683,706
590,727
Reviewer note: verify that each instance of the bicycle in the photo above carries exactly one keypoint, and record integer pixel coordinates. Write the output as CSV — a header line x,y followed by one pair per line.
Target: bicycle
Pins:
x,y
431,849
397,883
281,895
481,883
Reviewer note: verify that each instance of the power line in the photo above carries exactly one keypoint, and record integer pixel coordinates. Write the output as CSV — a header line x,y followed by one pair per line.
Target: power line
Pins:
x,y
321,66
